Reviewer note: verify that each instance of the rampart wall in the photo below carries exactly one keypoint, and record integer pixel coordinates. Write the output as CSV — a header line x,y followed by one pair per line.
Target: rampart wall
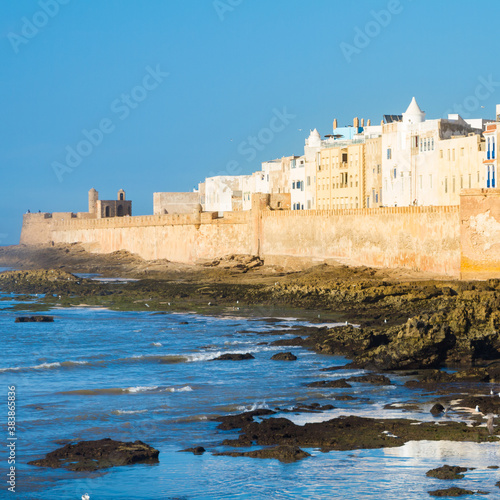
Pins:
x,y
452,241
420,238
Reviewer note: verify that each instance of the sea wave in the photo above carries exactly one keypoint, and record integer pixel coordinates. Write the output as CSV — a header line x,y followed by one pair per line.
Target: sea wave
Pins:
x,y
141,388
262,405
112,390
127,412
186,388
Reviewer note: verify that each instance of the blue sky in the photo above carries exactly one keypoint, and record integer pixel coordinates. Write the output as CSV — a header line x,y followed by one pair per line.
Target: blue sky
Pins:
x,y
178,88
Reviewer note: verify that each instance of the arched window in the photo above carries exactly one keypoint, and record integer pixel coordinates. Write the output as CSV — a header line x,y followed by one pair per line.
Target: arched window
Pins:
x,y
121,196
107,212
119,212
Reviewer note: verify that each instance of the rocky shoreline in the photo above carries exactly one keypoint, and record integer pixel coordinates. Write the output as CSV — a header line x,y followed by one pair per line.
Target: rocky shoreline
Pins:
x,y
404,325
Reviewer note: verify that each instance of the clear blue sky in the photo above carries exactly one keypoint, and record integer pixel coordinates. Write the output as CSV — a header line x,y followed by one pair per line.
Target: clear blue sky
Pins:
x,y
231,64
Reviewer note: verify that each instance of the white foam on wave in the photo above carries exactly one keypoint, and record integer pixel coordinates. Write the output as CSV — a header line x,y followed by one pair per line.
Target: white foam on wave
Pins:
x,y
157,344
210,355
128,412
262,405
141,388
186,388
27,368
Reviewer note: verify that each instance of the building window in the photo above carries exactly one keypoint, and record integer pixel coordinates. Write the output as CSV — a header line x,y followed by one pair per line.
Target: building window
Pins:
x,y
432,143
470,181
493,176
376,197
308,181
461,182
488,156
493,147
293,185
446,184
453,184
395,173
389,154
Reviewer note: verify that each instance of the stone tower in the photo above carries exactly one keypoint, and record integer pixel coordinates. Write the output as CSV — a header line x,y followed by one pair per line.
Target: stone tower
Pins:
x,y
93,197
121,195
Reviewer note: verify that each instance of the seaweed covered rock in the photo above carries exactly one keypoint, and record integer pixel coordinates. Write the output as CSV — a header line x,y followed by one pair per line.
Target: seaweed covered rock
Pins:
x,y
423,342
285,454
284,356
447,472
233,357
101,454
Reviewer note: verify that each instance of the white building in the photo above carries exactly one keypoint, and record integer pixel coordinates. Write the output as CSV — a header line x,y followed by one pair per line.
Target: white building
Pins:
x,y
223,193
412,150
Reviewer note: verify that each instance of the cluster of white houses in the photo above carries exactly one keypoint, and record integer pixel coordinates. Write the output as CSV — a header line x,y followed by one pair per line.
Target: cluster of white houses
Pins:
x,y
406,160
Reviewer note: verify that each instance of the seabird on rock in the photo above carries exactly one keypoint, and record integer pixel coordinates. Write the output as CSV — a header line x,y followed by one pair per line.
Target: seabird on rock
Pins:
x,y
477,409
85,497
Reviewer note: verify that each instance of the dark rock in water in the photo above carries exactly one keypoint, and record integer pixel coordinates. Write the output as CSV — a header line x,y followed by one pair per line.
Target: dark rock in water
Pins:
x,y
183,323
233,357
493,467
101,454
447,472
198,450
341,383
312,408
285,454
372,379
437,409
284,356
352,433
346,397
296,341
35,319
238,421
452,492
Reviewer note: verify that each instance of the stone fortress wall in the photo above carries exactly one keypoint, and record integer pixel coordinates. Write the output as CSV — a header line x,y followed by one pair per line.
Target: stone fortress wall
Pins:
x,y
455,241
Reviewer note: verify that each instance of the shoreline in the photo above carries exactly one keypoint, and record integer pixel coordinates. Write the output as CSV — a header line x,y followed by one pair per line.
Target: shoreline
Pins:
x,y
406,326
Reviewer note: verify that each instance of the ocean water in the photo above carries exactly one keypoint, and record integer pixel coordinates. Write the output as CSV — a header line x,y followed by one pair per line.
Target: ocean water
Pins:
x,y
96,373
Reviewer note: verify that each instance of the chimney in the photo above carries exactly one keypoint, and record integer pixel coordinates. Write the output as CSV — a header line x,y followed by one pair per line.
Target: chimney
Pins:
x,y
356,122
334,123
368,122
362,122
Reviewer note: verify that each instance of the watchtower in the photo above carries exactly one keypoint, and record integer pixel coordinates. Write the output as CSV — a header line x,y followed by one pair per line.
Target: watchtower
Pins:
x,y
93,197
